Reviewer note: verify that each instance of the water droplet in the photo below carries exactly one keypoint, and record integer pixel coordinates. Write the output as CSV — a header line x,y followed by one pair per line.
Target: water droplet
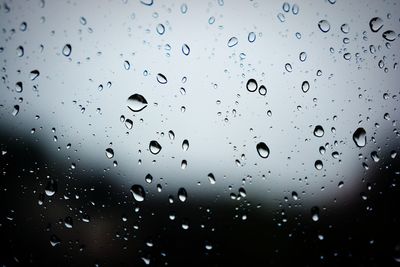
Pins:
x,y
303,56
127,65
376,24
263,150
161,78
68,222
375,156
242,192
67,49
19,87
315,213
146,2
286,7
185,145
154,147
360,137
211,20
34,74
294,195
345,28
318,131
251,37
182,194
148,178
251,85
185,49
23,26
295,9
20,51
232,42
211,178
82,20
347,56
109,153
288,67
138,192
389,36
183,164
160,29
262,90
128,124
15,110
51,188
324,25
136,102
318,165
305,86
281,17
184,8
171,135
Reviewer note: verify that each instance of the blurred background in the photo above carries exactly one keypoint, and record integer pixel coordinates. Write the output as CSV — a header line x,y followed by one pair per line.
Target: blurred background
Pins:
x,y
200,133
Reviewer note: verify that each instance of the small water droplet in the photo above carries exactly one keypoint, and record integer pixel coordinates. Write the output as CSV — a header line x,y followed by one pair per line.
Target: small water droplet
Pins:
x,y
148,178
251,85
315,213
185,49
20,51
183,164
160,29
138,192
19,87
376,24
262,90
171,135
303,56
375,156
182,194
263,150
51,188
389,36
324,25
345,28
147,2
154,147
211,178
294,195
15,110
184,8
109,153
185,145
360,137
251,37
295,9
67,49
232,42
318,165
318,131
34,74
288,67
305,86
161,78
127,65
136,102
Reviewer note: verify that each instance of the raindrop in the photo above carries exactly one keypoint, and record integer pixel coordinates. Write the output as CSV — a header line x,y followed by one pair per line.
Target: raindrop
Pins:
x,y
136,102
318,165
161,78
389,36
171,135
295,9
288,67
375,156
185,145
138,192
23,26
303,56
34,74
324,25
345,28
251,85
154,147
160,29
376,24
305,86
20,51
182,194
19,87
315,213
146,2
67,49
232,42
148,178
242,192
211,178
15,110
109,153
51,188
128,124
185,49
68,222
318,131
82,20
359,137
183,164
263,150
251,37
262,90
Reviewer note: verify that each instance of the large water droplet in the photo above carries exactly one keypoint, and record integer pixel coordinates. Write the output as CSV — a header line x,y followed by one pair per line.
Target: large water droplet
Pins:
x,y
251,85
154,147
324,25
318,131
360,137
67,49
161,78
136,102
138,192
376,24
182,194
232,42
109,153
318,165
263,150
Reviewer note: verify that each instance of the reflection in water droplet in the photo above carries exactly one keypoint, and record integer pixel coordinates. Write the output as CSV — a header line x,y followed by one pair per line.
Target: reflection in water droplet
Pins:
x,y
136,102
182,194
232,42
324,25
138,192
288,67
251,85
67,49
318,131
263,150
161,78
360,137
375,24
109,153
154,147
295,9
